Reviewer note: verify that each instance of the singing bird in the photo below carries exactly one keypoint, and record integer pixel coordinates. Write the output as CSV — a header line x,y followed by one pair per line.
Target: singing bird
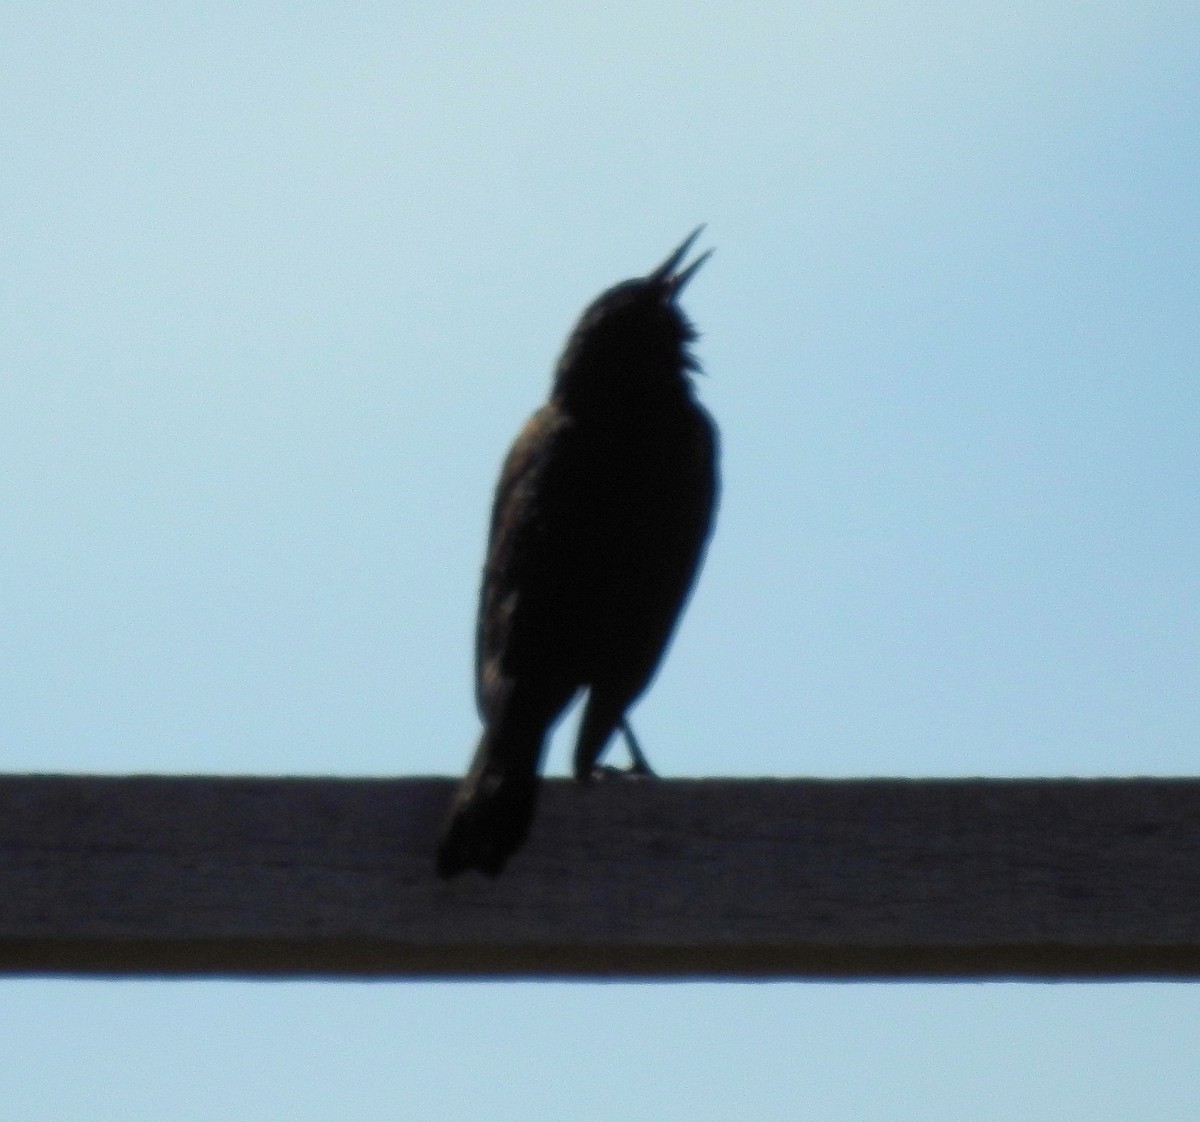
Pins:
x,y
601,517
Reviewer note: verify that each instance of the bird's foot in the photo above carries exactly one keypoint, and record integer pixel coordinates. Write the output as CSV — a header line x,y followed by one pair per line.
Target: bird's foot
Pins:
x,y
602,773
640,765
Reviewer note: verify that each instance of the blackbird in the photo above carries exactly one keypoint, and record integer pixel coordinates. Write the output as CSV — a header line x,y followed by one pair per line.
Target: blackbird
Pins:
x,y
601,517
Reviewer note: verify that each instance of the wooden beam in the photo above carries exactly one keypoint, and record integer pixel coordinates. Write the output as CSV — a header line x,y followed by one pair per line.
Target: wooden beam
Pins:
x,y
718,878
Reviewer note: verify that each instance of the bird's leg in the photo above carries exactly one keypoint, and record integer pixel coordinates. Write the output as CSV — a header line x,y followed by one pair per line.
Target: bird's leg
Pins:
x,y
639,769
640,765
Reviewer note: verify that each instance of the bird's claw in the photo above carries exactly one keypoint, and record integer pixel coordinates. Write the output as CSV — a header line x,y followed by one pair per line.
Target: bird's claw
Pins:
x,y
605,772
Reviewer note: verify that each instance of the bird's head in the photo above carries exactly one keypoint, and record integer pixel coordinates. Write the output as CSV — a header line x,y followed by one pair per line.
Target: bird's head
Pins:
x,y
635,332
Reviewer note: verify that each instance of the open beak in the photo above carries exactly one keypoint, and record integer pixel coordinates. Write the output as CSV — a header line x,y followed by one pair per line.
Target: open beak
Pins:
x,y
666,275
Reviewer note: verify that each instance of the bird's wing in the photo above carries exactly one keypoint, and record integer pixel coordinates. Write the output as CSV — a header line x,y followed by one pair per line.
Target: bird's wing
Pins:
x,y
516,551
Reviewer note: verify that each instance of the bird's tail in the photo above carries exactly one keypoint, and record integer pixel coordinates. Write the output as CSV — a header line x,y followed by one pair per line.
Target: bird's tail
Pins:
x,y
493,809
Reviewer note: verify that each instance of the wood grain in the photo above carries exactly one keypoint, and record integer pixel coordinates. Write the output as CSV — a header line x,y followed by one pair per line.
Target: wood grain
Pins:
x,y
713,878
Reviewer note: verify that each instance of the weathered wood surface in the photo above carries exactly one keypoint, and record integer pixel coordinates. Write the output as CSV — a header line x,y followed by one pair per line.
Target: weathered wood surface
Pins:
x,y
630,878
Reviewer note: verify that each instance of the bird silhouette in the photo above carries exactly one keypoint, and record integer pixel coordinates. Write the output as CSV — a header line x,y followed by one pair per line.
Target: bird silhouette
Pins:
x,y
601,517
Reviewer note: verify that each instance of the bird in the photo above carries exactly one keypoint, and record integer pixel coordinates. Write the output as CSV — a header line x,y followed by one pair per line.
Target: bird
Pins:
x,y
600,521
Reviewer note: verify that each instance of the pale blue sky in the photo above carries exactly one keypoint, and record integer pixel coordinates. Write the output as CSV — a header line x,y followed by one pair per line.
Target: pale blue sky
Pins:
x,y
278,285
